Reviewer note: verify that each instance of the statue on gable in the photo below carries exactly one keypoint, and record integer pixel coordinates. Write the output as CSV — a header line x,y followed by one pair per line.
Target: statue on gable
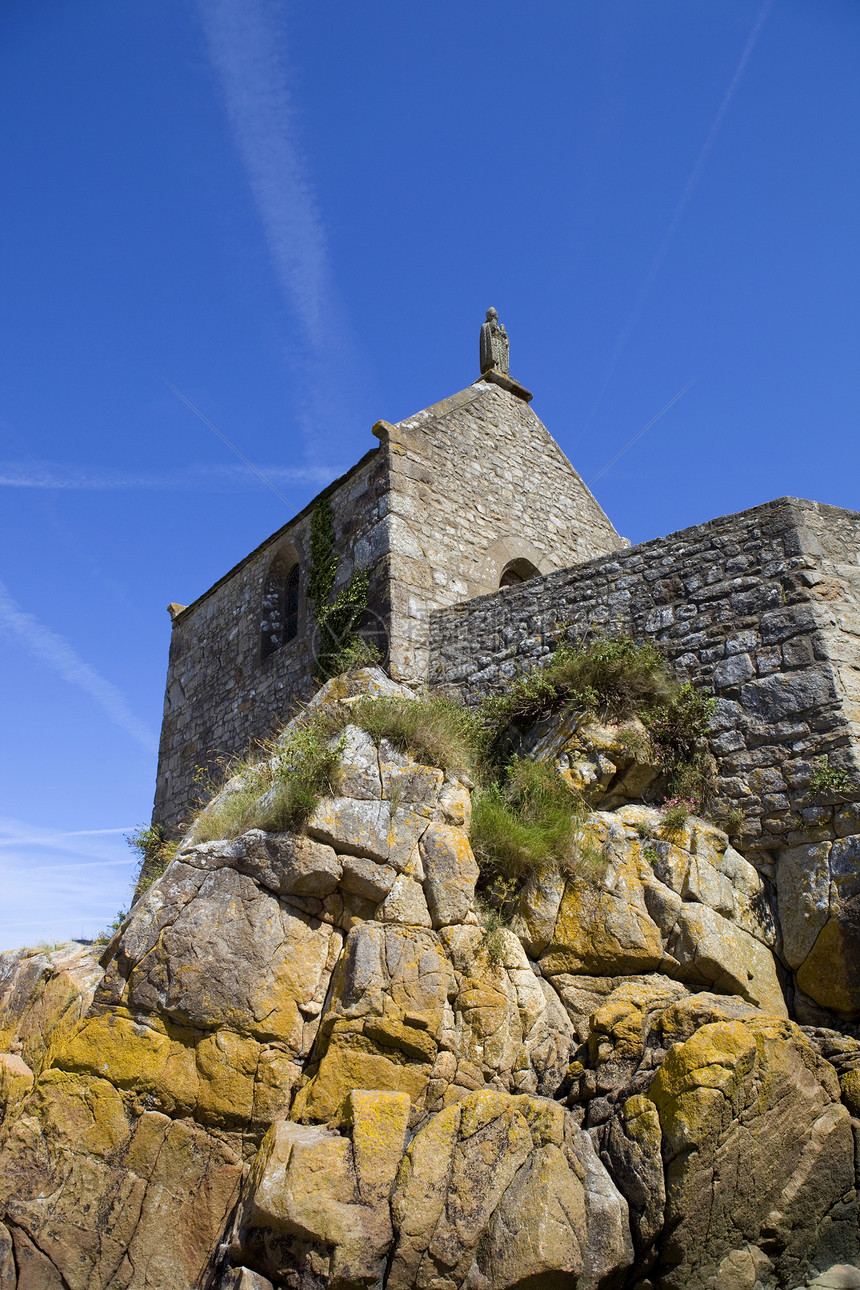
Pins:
x,y
495,346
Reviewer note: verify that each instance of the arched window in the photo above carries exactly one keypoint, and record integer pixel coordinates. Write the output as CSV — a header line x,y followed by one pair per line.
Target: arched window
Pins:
x,y
291,605
280,617
517,571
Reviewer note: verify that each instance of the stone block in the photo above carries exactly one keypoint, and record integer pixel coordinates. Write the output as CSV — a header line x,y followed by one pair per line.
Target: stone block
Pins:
x,y
353,827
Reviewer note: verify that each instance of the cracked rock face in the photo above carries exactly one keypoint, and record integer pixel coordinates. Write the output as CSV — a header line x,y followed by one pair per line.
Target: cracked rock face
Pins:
x,y
301,1064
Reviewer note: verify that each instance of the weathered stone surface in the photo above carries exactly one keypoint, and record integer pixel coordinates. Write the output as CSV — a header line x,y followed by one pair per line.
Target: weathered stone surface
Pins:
x,y
606,764
288,864
538,1227
358,774
450,874
803,884
366,878
618,1103
684,911
43,994
405,903
742,604
353,827
752,1103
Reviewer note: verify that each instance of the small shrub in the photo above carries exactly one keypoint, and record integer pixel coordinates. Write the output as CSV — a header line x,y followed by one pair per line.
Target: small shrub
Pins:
x,y
155,851
338,616
679,724
279,789
652,856
644,829
636,742
610,676
585,860
355,654
493,939
434,730
675,812
623,677
827,778
527,825
112,928
730,819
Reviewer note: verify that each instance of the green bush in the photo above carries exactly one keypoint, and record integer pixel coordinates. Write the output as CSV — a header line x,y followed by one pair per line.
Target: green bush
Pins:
x,y
155,851
338,616
612,676
529,824
356,653
828,779
493,929
679,724
675,812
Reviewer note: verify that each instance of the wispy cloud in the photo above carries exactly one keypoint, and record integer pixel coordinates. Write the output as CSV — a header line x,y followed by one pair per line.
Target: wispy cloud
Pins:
x,y
17,833
60,476
679,211
60,883
247,46
62,658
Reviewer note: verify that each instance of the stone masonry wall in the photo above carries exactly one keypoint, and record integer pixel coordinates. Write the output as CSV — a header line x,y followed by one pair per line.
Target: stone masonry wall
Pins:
x,y
762,607
477,482
221,694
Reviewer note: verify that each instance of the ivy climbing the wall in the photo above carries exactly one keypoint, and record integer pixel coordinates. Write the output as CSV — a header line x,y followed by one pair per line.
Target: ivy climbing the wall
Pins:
x,y
338,616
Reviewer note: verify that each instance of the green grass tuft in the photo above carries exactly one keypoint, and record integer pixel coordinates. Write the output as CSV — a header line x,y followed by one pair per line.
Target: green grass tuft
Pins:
x,y
433,730
609,676
279,789
528,825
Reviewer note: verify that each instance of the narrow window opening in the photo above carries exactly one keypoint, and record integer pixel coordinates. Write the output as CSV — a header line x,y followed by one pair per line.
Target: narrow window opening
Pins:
x,y
280,610
291,605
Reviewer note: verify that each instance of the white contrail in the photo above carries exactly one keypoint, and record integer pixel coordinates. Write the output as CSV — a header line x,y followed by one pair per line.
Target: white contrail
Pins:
x,y
17,833
58,476
59,655
680,209
224,439
244,38
247,47
640,433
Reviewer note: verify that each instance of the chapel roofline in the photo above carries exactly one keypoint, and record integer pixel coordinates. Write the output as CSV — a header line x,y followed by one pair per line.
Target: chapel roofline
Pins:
x,y
277,535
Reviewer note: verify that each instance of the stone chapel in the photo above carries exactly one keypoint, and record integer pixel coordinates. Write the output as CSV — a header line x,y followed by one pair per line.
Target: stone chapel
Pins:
x,y
463,498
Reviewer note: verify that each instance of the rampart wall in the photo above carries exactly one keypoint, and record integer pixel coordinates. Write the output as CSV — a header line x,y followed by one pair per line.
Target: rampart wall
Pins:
x,y
221,693
763,607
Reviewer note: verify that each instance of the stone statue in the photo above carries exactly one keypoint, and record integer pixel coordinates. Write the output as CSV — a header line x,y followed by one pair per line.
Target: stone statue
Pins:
x,y
495,346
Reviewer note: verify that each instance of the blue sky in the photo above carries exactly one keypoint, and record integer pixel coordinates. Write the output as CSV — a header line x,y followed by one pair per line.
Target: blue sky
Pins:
x,y
298,214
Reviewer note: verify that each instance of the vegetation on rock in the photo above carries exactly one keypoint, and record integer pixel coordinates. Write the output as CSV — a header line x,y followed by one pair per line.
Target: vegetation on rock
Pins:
x,y
338,616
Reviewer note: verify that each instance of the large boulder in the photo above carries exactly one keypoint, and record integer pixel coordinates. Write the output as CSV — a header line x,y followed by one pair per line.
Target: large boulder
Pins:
x,y
303,1061
684,904
819,907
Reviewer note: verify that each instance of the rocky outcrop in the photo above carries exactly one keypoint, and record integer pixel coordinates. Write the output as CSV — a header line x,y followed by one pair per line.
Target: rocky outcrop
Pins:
x,y
303,1062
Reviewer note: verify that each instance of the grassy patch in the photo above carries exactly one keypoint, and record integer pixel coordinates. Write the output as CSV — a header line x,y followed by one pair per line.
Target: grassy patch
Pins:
x,y
435,731
610,676
494,940
827,778
155,851
675,812
527,825
278,789
356,653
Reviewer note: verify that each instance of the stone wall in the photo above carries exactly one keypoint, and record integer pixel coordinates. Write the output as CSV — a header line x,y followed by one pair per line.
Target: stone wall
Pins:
x,y
477,483
761,607
221,694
